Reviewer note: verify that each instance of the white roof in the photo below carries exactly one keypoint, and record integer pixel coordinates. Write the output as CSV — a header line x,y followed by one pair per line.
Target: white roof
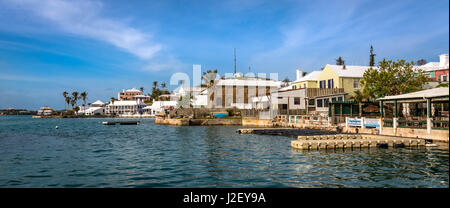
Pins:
x,y
132,90
248,82
126,102
98,102
310,77
431,93
349,71
287,87
164,103
141,96
432,66
92,109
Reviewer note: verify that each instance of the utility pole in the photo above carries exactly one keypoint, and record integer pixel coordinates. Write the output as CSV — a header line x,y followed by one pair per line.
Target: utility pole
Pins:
x,y
234,60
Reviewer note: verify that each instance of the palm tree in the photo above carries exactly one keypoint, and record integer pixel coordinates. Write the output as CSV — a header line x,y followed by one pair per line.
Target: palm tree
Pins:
x,y
64,94
359,97
68,99
73,101
75,96
83,95
209,76
163,85
155,84
142,89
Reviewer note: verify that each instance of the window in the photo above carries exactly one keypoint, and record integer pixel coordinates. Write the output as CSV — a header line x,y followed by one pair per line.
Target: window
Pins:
x,y
296,101
356,83
294,86
319,103
443,78
333,99
326,101
330,83
340,98
311,102
323,84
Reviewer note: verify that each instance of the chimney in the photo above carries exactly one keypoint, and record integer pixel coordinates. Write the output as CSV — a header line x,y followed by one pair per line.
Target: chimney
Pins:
x,y
443,60
299,74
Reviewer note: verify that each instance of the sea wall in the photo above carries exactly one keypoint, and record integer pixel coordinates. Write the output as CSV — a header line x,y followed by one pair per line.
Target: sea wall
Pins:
x,y
175,122
257,123
214,122
198,122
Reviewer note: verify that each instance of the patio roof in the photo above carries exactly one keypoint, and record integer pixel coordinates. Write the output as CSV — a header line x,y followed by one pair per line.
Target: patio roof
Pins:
x,y
440,92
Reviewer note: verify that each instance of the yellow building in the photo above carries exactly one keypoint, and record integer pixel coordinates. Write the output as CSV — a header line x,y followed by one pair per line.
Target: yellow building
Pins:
x,y
308,81
338,76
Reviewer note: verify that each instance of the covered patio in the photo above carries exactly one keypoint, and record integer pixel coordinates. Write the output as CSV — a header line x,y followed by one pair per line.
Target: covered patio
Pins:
x,y
426,109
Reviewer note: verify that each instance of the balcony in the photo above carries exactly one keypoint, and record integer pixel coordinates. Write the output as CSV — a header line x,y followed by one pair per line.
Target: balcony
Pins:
x,y
314,92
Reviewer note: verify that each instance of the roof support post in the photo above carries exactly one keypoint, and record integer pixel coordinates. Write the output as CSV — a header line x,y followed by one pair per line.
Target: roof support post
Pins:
x,y
429,119
381,109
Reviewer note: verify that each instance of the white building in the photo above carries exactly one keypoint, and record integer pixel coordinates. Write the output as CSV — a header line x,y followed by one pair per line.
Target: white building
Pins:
x,y
200,100
159,106
238,91
45,111
96,108
126,107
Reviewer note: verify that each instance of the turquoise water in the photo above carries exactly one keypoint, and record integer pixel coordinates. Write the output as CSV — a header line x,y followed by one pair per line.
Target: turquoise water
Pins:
x,y
85,153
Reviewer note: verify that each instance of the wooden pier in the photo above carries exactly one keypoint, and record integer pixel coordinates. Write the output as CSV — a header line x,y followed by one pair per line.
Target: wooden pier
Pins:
x,y
341,141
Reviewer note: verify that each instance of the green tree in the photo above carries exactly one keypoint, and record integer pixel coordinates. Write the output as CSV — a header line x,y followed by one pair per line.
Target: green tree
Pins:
x,y
163,85
286,81
421,62
372,57
392,78
340,61
155,84
142,89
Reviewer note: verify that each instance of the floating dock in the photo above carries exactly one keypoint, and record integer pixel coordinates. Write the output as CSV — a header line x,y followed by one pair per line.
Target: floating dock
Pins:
x,y
120,122
341,141
286,131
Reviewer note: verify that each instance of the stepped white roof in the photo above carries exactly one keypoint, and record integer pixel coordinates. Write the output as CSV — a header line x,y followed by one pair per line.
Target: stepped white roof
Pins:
x,y
432,66
312,76
349,71
132,90
126,102
430,93
98,102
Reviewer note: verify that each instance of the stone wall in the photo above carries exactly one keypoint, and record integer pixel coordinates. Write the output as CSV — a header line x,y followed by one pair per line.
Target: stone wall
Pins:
x,y
257,123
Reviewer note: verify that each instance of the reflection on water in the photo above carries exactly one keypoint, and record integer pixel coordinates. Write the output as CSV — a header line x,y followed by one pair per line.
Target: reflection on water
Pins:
x,y
84,153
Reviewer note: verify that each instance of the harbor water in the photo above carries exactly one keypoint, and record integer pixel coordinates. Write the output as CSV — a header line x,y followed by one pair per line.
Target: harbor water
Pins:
x,y
85,153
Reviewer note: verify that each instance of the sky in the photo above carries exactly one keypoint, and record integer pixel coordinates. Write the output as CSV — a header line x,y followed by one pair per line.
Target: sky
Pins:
x,y
102,47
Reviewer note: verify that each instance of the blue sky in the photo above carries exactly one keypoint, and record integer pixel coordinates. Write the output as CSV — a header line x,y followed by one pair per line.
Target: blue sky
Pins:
x,y
51,46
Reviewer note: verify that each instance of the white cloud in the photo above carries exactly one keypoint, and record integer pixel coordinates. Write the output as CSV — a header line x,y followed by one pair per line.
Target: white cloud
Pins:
x,y
84,18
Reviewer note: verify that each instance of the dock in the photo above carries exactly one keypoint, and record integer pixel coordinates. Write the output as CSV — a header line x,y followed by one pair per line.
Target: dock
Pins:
x,y
120,122
341,141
